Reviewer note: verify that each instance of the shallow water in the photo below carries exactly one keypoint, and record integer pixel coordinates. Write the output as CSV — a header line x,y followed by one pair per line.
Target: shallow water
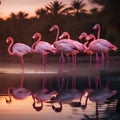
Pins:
x,y
82,77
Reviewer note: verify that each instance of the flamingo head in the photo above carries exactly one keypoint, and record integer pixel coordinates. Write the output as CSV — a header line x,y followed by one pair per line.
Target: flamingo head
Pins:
x,y
83,35
36,35
90,36
57,109
64,34
54,27
9,39
96,26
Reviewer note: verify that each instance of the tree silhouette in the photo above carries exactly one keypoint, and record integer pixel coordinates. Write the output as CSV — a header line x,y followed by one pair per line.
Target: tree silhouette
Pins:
x,y
77,6
41,12
22,15
56,8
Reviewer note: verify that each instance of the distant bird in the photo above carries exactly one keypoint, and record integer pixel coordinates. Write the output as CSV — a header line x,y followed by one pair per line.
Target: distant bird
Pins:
x,y
18,49
42,47
79,47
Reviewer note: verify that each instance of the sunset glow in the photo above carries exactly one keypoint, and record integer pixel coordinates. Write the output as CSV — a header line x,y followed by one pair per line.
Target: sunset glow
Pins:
x,y
27,6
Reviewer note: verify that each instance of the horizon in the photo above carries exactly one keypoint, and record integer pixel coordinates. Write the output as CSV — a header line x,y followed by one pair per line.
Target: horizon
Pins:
x,y
13,6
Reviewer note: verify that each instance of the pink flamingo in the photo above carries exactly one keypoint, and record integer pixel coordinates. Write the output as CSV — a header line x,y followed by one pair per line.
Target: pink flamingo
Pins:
x,y
84,35
97,26
64,45
18,49
42,47
100,46
79,47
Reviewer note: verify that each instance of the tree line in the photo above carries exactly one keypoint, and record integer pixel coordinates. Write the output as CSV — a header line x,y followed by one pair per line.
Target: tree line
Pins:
x,y
73,18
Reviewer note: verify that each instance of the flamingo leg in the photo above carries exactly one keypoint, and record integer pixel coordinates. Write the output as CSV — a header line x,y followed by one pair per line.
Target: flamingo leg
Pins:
x,y
97,58
107,55
103,57
44,62
90,60
22,64
22,80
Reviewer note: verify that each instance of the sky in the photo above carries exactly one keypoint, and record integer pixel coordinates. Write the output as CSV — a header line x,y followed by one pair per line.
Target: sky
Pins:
x,y
28,6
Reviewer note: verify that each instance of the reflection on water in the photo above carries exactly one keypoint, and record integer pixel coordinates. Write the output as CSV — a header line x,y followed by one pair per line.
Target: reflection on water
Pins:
x,y
80,91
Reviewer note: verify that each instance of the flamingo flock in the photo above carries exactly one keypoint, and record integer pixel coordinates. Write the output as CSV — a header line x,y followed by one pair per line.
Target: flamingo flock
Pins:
x,y
63,46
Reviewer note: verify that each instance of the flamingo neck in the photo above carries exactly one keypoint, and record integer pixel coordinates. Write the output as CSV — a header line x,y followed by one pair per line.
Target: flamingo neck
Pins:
x,y
86,101
9,94
85,45
68,36
35,43
57,109
57,35
9,47
98,35
37,108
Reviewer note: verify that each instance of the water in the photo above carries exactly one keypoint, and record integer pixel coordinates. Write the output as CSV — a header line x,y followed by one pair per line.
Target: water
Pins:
x,y
81,78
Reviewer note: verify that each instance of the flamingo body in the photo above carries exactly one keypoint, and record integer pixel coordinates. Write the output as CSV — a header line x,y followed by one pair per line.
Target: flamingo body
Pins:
x,y
101,45
20,93
20,49
43,95
101,95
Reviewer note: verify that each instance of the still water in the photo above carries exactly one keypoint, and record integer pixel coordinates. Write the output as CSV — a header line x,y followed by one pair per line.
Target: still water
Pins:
x,y
69,92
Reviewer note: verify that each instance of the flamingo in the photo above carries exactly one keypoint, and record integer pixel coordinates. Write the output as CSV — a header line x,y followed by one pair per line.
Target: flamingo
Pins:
x,y
64,45
18,49
97,26
65,96
43,94
19,93
84,35
79,47
42,47
100,45
99,95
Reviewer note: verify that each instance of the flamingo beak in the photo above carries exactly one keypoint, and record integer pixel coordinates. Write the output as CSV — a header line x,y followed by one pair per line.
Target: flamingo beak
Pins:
x,y
87,38
33,37
50,30
80,37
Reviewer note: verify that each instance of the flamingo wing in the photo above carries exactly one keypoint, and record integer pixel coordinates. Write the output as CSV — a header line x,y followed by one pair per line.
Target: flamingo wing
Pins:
x,y
20,48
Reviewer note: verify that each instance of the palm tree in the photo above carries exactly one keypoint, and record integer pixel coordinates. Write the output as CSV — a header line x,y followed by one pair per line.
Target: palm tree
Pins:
x,y
77,6
56,8
41,12
22,15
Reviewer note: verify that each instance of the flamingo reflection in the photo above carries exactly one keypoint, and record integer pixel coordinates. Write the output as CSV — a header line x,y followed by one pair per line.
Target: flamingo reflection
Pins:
x,y
19,93
65,96
42,95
